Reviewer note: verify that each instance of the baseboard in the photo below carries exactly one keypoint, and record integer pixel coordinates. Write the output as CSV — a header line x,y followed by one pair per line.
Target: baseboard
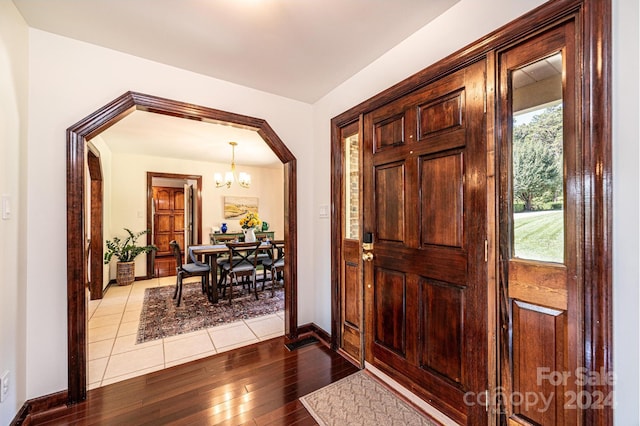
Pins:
x,y
39,405
313,329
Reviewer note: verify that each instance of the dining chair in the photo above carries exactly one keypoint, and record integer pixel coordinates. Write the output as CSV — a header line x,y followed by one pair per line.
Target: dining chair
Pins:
x,y
242,262
274,265
188,270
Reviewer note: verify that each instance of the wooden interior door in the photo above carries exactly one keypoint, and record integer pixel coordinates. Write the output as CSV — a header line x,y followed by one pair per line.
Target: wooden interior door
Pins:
x,y
425,203
540,275
168,224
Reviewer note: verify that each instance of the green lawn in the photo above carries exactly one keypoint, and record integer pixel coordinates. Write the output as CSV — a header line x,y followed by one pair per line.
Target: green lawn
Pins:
x,y
539,236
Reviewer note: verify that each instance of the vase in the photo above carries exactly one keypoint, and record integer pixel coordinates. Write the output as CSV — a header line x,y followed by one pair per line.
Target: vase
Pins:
x,y
249,235
223,228
125,273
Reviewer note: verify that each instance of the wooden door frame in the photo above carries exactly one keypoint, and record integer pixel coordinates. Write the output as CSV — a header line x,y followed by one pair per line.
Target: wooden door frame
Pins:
x,y
594,20
96,213
100,120
177,176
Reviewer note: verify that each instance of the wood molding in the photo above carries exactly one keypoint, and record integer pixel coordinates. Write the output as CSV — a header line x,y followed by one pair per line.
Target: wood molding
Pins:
x,y
315,330
91,126
32,407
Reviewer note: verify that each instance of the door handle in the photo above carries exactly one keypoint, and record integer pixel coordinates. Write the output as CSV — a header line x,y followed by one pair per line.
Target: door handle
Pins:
x,y
367,257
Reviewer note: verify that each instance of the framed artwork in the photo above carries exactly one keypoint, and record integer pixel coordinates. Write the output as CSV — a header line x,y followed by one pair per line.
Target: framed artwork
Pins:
x,y
236,207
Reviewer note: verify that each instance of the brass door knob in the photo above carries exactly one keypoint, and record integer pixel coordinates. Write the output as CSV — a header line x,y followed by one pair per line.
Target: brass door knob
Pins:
x,y
367,257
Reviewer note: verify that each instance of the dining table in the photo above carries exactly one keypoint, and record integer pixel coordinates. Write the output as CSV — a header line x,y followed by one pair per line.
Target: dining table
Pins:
x,y
210,253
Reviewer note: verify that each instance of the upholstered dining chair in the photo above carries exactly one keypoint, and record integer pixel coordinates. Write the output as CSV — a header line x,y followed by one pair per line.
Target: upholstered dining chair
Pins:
x,y
242,262
274,265
188,270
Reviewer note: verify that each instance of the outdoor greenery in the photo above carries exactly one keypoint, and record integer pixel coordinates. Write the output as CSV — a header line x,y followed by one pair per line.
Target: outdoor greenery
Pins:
x,y
537,160
539,236
126,250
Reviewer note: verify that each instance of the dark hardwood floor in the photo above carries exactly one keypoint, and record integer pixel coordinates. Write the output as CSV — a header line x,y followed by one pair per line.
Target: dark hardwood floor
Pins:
x,y
254,385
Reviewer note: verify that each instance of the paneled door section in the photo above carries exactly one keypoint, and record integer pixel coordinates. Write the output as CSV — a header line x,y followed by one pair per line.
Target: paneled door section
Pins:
x,y
351,320
541,232
425,203
168,224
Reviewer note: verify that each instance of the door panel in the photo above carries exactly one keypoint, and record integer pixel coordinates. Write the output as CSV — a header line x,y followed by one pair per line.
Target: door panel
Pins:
x,y
441,185
537,335
442,325
390,298
427,197
390,206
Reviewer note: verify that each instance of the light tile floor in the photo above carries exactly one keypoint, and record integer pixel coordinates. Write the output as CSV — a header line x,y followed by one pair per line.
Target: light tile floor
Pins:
x,y
113,354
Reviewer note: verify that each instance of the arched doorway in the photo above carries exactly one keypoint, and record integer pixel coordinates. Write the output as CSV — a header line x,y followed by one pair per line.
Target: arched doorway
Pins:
x,y
94,124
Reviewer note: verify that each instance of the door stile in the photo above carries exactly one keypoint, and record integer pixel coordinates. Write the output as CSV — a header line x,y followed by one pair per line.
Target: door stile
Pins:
x,y
492,237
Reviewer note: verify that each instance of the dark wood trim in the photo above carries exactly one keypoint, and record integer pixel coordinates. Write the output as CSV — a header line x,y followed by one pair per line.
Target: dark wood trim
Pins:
x,y
315,330
39,405
595,34
337,221
91,126
150,176
96,244
597,175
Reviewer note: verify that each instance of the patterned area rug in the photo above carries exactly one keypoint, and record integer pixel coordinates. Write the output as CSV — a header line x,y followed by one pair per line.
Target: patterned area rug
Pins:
x,y
161,318
360,400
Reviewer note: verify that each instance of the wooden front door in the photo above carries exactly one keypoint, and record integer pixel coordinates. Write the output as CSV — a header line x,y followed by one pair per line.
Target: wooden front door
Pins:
x,y
425,203
541,234
168,224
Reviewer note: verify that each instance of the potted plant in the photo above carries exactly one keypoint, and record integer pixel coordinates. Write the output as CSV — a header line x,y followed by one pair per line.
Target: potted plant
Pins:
x,y
126,250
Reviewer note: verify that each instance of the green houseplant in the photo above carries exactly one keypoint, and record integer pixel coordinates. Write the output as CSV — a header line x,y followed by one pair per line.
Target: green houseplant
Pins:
x,y
126,250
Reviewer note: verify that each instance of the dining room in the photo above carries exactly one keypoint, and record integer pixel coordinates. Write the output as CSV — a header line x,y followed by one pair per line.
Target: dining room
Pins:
x,y
192,161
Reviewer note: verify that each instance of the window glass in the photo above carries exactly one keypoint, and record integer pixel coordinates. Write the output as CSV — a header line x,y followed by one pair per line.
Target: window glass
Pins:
x,y
352,187
537,161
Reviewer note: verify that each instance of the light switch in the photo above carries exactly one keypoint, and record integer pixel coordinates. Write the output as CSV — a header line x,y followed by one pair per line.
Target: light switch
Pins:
x,y
6,207
324,211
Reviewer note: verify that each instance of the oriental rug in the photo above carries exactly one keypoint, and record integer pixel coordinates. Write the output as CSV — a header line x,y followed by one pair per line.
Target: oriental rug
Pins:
x,y
359,399
160,317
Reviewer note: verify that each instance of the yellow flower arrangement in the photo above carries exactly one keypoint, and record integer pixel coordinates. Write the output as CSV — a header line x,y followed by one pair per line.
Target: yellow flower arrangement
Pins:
x,y
251,220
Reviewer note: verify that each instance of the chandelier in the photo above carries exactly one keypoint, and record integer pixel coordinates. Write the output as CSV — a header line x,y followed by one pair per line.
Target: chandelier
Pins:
x,y
243,179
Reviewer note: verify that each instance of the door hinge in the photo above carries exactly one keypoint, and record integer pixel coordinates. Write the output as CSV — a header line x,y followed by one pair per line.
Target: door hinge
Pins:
x,y
486,400
485,102
486,250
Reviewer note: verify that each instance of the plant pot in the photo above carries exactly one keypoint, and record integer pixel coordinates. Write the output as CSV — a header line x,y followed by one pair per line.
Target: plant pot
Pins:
x,y
126,273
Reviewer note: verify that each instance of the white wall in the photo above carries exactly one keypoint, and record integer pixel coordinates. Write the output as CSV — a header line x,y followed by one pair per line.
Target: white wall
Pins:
x,y
13,133
128,199
68,81
626,232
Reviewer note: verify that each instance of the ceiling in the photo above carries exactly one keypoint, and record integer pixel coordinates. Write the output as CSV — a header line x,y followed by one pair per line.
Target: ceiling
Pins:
x,y
172,137
299,49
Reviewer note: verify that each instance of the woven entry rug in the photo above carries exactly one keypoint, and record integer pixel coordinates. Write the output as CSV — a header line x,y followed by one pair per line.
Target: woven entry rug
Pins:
x,y
359,399
161,318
